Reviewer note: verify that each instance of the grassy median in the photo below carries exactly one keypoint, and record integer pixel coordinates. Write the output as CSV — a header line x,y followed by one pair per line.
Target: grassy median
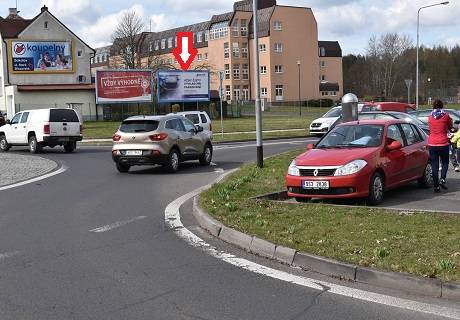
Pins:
x,y
424,244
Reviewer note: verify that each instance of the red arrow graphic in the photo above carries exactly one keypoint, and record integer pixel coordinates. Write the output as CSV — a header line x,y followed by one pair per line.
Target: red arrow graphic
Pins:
x,y
185,53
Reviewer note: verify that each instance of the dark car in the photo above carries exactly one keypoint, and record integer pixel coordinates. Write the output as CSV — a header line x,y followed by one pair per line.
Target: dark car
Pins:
x,y
2,119
423,115
394,115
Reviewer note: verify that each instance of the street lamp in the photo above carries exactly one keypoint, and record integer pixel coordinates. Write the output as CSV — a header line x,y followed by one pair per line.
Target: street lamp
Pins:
x,y
300,103
260,151
418,41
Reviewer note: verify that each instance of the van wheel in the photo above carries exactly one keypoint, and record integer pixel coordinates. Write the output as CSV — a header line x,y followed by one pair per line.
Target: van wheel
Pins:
x,y
206,157
173,161
34,146
4,146
70,147
426,180
376,190
123,168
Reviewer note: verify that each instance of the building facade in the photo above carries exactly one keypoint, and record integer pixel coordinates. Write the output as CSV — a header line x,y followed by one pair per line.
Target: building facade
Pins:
x,y
43,65
292,66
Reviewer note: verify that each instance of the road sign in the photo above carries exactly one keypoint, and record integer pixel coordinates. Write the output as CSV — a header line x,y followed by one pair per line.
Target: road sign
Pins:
x,y
408,83
185,53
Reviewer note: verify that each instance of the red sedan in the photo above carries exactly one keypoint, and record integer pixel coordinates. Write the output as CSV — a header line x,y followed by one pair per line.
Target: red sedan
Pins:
x,y
361,159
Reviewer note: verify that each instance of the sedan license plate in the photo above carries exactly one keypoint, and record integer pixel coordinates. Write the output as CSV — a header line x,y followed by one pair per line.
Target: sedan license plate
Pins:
x,y
133,152
315,184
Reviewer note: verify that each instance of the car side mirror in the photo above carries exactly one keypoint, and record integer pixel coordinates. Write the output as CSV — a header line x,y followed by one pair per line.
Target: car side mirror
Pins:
x,y
199,128
457,122
310,146
395,145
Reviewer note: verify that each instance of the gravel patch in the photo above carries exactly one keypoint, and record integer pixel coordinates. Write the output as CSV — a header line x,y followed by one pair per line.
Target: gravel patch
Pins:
x,y
15,168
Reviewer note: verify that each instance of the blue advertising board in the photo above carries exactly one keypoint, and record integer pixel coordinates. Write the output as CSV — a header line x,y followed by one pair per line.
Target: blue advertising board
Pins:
x,y
41,56
183,86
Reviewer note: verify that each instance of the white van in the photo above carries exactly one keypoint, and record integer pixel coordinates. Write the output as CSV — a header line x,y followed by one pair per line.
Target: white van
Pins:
x,y
42,128
200,118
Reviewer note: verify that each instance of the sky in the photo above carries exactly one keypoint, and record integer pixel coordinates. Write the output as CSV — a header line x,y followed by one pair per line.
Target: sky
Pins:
x,y
351,22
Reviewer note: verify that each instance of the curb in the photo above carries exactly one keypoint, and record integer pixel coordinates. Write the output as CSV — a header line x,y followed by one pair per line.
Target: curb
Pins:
x,y
400,281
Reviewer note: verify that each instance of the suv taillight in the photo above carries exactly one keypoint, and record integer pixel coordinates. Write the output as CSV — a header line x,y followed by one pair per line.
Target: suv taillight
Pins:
x,y
46,129
158,137
116,137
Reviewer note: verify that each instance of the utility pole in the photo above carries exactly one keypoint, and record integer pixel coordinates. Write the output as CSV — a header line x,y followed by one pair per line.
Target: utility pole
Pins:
x,y
221,95
260,150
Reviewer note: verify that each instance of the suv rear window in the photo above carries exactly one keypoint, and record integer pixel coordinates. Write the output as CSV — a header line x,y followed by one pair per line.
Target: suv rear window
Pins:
x,y
63,115
132,126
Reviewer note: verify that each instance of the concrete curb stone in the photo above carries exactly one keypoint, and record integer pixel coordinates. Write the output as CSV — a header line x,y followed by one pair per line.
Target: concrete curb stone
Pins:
x,y
400,281
451,291
206,222
262,248
284,254
235,237
325,266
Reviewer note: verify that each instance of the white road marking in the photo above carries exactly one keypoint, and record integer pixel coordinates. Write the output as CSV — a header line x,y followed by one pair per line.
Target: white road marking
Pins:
x,y
212,164
219,170
7,255
173,221
62,169
116,225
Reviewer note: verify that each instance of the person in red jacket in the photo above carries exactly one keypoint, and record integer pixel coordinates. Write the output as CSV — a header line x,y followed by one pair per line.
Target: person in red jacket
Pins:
x,y
440,124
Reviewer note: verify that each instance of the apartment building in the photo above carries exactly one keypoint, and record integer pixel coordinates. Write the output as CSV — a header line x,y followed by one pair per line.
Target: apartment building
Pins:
x,y
291,57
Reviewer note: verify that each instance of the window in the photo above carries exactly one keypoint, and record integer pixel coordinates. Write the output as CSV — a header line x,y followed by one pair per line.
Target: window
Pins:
x,y
228,93
226,50
189,126
246,93
236,72
203,118
245,71
132,126
277,26
193,117
163,43
91,60
175,42
199,37
206,56
219,30
263,92
63,115
175,124
244,28
206,36
279,92
79,53
322,52
236,50
278,47
244,50
278,69
16,118
333,93
170,60
323,77
199,57
322,64
227,71
157,45
150,46
24,117
263,69
237,93
262,47
394,134
235,30
45,24
170,42
412,136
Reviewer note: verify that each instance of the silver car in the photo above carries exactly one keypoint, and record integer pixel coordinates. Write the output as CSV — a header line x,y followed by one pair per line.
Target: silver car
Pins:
x,y
164,140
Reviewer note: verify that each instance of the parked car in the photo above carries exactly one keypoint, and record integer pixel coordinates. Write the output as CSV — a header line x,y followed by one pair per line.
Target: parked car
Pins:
x,y
164,140
322,125
388,106
40,128
199,118
2,119
394,115
423,115
361,159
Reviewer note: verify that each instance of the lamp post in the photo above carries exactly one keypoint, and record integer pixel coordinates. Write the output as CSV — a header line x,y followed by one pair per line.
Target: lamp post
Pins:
x,y
260,152
300,103
418,41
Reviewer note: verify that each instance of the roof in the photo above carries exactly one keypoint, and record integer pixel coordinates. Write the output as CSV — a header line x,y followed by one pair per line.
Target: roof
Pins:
x,y
221,17
11,28
329,86
332,48
263,16
53,87
246,5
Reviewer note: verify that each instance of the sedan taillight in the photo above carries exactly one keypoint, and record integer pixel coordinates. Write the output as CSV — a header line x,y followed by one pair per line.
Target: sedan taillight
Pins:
x,y
46,129
158,137
116,137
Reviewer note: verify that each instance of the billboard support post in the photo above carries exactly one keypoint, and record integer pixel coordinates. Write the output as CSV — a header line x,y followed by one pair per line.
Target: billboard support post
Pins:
x,y
221,88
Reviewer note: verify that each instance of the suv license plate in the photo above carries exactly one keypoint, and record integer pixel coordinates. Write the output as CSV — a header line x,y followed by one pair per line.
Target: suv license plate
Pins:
x,y
133,152
315,184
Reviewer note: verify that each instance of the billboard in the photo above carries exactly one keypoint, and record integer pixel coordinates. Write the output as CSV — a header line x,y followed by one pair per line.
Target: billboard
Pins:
x,y
41,56
123,86
183,86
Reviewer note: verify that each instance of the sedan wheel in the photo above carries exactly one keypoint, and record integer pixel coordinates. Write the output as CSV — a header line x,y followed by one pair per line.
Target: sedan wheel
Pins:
x,y
426,181
376,189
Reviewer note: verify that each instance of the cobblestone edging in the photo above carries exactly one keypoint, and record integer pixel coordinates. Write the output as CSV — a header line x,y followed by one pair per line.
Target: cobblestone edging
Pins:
x,y
15,168
400,281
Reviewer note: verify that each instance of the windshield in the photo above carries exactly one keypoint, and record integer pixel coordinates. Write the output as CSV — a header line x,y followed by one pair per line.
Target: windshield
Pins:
x,y
133,126
357,136
333,113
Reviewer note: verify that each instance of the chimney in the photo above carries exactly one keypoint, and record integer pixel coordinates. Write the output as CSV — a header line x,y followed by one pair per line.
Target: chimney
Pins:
x,y
13,11
44,8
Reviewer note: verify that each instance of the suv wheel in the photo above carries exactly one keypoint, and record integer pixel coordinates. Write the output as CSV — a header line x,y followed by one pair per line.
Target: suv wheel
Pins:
x,y
123,168
206,157
34,146
173,161
70,147
4,146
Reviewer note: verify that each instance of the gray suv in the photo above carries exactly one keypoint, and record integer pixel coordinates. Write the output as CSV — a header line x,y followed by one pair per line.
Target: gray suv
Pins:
x,y
165,140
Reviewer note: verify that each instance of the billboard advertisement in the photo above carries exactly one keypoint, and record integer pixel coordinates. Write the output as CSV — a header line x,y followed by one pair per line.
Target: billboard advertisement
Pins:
x,y
123,86
41,56
183,86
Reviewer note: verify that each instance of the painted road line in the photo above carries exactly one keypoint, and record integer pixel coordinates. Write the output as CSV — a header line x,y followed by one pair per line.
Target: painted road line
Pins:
x,y
62,169
7,255
115,225
173,221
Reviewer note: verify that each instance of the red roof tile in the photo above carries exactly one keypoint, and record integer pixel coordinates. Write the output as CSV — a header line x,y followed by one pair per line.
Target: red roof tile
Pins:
x,y
11,28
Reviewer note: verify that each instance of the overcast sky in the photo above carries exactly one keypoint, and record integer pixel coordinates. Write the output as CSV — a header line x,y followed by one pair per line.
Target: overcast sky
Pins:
x,y
351,22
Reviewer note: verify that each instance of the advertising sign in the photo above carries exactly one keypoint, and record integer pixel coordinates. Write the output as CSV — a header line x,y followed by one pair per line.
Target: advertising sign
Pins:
x,y
183,86
41,56
123,86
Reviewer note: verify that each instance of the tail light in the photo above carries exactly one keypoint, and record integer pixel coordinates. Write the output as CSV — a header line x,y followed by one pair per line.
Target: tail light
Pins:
x,y
158,137
46,129
116,137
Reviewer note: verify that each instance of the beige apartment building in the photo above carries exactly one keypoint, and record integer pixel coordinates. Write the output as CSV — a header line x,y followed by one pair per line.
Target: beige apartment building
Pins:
x,y
293,63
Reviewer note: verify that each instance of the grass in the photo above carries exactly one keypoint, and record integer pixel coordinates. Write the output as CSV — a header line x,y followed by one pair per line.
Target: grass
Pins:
x,y
424,244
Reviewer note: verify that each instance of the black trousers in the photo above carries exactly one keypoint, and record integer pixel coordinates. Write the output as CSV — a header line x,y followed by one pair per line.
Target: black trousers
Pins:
x,y
439,154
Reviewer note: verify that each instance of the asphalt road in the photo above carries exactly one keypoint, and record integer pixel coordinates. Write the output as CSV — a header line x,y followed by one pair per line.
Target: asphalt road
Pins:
x,y
91,243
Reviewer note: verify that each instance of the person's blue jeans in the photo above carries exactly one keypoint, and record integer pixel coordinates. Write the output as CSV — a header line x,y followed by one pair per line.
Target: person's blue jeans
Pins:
x,y
439,154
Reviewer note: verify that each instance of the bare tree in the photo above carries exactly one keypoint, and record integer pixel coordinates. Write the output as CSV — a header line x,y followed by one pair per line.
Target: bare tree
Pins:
x,y
127,39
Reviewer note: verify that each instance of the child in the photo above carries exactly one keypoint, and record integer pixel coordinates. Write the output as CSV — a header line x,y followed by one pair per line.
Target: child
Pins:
x,y
456,139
